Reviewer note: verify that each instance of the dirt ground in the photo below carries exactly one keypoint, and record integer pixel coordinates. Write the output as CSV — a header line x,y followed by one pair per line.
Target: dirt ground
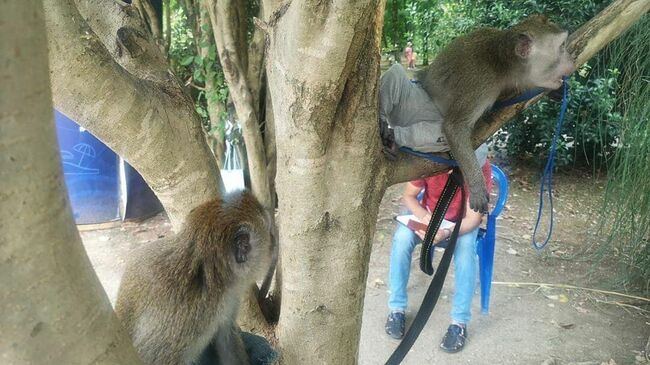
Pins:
x,y
526,324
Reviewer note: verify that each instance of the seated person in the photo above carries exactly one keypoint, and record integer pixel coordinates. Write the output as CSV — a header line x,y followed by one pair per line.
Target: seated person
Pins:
x,y
465,259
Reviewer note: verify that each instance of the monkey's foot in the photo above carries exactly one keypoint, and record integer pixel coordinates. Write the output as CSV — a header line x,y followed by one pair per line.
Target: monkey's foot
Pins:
x,y
478,201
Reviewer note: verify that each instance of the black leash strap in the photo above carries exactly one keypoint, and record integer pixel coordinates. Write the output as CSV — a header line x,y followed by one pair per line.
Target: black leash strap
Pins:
x,y
454,182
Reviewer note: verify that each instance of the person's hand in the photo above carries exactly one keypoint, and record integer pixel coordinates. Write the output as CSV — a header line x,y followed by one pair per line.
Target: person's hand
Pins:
x,y
425,220
441,235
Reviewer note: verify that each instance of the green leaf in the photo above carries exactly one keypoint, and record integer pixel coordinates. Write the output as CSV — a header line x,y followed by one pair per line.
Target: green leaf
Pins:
x,y
187,60
198,75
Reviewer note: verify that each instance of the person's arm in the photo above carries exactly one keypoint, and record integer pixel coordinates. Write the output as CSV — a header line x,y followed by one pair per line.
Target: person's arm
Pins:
x,y
410,197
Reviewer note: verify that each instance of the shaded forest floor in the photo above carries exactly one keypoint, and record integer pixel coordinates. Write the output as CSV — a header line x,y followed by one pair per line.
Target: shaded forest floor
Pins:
x,y
526,324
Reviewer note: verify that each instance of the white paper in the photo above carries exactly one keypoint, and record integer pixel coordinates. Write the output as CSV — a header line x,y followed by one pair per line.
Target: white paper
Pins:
x,y
404,219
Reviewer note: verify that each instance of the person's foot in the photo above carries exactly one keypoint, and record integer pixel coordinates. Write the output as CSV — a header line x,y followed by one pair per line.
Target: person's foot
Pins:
x,y
395,325
454,339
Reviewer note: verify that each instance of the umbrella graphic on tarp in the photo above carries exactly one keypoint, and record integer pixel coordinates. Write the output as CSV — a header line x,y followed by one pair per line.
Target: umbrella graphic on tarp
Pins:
x,y
85,150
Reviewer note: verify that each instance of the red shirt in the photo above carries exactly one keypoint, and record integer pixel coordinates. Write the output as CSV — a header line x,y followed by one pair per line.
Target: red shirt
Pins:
x,y
434,185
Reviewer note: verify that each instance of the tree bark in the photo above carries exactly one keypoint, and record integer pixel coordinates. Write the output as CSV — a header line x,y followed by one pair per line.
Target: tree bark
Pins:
x,y
323,81
54,310
151,123
150,17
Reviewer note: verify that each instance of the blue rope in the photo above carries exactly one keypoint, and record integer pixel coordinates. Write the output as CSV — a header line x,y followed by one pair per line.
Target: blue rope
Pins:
x,y
547,176
527,95
429,156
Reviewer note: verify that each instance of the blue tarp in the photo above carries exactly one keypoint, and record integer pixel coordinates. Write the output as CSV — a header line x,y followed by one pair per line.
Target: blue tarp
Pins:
x,y
92,177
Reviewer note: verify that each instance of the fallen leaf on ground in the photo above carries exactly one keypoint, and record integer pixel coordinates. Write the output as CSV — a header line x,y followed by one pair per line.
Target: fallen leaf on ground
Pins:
x,y
563,298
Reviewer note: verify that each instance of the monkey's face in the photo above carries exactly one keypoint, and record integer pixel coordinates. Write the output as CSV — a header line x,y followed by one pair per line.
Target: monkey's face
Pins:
x,y
252,245
549,60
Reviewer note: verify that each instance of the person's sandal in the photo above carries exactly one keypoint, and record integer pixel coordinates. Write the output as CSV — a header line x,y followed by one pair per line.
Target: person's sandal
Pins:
x,y
395,325
454,339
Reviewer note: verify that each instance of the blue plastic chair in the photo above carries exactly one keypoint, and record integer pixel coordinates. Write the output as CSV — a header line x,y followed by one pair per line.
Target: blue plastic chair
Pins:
x,y
487,237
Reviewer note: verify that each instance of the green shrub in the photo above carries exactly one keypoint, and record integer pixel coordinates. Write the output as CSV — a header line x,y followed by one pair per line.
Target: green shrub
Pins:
x,y
591,125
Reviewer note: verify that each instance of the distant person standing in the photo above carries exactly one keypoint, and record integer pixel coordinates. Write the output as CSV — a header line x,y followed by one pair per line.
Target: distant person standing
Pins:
x,y
408,54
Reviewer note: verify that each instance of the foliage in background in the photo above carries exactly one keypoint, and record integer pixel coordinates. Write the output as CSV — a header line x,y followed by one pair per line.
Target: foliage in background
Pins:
x,y
591,126
191,67
626,210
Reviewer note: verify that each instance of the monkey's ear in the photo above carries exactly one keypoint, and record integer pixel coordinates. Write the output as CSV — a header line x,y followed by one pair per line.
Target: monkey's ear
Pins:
x,y
242,245
523,45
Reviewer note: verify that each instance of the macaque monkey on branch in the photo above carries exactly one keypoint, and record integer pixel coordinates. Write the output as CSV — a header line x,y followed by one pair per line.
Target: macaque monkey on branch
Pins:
x,y
180,295
468,76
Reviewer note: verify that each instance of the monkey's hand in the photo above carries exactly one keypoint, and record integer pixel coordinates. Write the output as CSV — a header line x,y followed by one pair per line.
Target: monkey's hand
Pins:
x,y
478,197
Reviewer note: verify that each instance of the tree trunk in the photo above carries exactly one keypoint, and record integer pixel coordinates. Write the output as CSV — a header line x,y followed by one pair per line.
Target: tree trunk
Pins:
x,y
331,178
54,310
150,122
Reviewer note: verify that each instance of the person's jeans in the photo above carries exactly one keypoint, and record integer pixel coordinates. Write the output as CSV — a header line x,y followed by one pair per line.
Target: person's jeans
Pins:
x,y
465,266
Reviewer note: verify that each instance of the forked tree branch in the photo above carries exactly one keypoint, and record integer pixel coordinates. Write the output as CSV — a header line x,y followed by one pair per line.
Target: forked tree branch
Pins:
x,y
584,43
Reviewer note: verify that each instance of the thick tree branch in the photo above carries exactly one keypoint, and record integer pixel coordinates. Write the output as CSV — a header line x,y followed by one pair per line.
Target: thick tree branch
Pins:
x,y
222,14
149,15
54,310
127,38
152,125
583,44
216,107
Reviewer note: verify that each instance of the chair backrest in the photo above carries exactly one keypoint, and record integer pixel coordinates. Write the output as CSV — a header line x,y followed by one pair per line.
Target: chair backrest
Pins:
x,y
501,181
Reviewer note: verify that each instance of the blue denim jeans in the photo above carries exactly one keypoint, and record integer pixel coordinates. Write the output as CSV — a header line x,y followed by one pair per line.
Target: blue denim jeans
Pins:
x,y
465,269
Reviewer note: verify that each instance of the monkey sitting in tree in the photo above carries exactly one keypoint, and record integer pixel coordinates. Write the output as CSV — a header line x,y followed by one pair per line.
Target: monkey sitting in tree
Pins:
x,y
180,295
463,82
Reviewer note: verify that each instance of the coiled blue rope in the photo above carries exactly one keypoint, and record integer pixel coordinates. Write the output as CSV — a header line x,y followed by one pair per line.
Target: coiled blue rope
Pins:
x,y
546,182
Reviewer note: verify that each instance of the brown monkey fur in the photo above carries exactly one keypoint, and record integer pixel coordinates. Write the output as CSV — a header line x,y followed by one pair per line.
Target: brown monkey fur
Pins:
x,y
468,76
180,295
